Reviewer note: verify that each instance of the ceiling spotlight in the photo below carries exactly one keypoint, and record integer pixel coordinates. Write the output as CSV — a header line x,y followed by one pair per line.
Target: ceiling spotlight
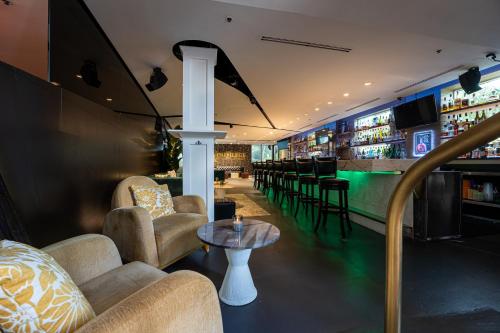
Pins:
x,y
54,83
78,76
368,84
346,94
156,80
330,103
306,114
271,132
109,99
245,133
291,121
298,118
230,125
316,109
89,74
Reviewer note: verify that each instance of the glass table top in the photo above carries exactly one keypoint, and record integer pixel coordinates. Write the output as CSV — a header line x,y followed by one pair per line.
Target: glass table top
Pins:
x,y
255,234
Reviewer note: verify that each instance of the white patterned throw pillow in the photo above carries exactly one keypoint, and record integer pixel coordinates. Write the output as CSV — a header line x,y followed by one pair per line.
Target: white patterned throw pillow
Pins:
x,y
36,294
157,200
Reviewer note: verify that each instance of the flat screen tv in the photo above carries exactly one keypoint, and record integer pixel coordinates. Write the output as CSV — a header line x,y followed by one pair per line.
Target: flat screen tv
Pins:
x,y
421,111
321,137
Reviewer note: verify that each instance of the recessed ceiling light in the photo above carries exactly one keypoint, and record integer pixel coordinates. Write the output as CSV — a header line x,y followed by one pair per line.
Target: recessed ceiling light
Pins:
x,y
368,83
271,132
330,103
291,121
78,76
316,109
109,99
306,114
298,118
245,133
346,94
55,83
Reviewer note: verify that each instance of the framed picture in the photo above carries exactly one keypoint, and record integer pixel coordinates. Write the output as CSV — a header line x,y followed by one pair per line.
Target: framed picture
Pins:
x,y
422,142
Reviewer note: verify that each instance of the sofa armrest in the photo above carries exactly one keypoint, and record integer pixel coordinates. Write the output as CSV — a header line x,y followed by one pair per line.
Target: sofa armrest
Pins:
x,y
131,228
181,302
85,257
190,204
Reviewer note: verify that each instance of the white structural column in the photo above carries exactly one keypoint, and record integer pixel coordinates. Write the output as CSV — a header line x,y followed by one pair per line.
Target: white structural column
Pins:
x,y
237,287
197,132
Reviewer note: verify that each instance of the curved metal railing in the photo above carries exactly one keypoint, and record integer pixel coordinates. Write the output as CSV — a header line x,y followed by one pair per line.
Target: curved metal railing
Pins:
x,y
479,135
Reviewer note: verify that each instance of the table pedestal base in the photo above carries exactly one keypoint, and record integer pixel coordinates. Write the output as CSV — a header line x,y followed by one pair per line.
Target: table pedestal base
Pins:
x,y
237,287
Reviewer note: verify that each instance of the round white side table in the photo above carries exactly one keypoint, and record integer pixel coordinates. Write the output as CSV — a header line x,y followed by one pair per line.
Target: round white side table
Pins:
x,y
238,287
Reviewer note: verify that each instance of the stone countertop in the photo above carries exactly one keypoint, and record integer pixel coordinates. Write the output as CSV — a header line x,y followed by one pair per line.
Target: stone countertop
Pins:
x,y
255,234
396,165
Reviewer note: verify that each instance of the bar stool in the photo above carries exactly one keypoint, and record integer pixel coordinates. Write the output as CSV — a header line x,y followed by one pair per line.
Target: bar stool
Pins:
x,y
276,183
260,175
254,173
326,172
266,176
305,172
289,177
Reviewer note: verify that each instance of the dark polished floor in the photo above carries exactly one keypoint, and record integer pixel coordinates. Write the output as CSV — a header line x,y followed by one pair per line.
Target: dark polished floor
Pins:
x,y
318,283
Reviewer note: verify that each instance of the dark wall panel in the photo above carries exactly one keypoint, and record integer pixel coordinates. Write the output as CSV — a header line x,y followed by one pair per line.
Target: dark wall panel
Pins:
x,y
61,155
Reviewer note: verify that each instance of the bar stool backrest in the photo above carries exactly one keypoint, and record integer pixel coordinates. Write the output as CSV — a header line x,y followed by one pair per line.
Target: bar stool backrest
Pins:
x,y
288,166
305,166
276,165
325,166
269,164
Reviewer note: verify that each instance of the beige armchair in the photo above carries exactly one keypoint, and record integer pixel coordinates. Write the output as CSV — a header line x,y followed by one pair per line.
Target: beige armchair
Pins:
x,y
159,242
136,297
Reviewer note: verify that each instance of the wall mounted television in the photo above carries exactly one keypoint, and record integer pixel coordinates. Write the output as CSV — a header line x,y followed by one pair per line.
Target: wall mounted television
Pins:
x,y
322,137
421,111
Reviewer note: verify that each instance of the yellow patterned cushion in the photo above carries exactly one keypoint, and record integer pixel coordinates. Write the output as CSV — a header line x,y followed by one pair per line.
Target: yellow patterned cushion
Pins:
x,y
36,294
157,200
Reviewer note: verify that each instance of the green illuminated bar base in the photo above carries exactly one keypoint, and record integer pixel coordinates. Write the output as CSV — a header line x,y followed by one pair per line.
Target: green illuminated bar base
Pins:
x,y
371,185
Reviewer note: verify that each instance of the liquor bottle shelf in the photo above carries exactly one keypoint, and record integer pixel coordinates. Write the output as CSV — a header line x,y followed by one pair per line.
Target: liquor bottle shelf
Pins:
x,y
471,107
478,217
379,143
481,203
370,128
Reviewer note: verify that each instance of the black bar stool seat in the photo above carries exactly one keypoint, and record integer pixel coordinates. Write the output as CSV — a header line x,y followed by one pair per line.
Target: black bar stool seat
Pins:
x,y
306,177
288,179
326,171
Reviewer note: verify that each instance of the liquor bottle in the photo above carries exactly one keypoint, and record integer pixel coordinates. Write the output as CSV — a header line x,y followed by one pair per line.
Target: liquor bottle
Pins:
x,y
444,105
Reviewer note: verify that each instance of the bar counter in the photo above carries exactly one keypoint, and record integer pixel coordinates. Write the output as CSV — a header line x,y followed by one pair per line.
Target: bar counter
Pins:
x,y
372,183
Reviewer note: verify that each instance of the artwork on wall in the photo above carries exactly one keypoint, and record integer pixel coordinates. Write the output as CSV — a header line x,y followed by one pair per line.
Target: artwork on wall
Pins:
x,y
422,142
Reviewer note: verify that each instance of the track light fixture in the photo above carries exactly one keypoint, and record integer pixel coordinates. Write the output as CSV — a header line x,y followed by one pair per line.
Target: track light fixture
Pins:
x,y
89,74
492,56
157,79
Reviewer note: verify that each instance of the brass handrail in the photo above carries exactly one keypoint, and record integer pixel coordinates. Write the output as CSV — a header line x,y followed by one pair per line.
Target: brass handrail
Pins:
x,y
478,135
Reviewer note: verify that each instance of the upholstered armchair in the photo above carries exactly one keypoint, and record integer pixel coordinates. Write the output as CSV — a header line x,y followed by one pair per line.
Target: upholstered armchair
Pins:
x,y
136,297
158,242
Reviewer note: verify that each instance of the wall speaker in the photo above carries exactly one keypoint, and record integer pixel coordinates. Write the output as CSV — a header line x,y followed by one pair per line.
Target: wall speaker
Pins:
x,y
470,80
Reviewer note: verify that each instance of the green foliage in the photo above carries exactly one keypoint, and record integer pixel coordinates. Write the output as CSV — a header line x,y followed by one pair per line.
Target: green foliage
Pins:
x,y
172,152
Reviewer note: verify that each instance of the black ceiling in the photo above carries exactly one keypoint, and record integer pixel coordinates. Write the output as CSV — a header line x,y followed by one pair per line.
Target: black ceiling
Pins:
x,y
75,36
